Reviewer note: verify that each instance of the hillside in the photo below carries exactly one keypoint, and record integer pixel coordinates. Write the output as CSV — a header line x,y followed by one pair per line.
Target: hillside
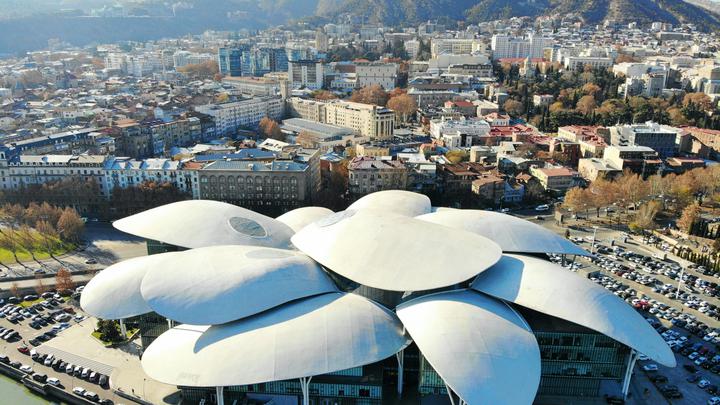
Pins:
x,y
594,11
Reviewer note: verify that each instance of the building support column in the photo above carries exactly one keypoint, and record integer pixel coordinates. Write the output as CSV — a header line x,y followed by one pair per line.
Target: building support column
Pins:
x,y
305,388
219,395
400,356
628,372
170,324
123,330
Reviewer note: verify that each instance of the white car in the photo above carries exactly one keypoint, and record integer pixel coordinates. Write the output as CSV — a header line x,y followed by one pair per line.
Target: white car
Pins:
x,y
643,357
78,391
703,384
53,381
543,207
650,367
25,368
713,401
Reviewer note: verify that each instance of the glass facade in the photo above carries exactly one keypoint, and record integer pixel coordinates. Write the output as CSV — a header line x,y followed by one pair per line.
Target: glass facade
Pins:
x,y
575,364
355,386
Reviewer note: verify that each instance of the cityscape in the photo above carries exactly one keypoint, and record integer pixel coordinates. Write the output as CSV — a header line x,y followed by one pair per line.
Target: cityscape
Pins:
x,y
353,202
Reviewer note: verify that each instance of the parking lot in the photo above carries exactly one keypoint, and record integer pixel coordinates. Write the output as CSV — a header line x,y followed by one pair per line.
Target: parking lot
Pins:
x,y
35,324
635,270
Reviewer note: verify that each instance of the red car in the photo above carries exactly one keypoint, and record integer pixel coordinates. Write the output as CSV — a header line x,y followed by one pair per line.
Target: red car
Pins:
x,y
23,349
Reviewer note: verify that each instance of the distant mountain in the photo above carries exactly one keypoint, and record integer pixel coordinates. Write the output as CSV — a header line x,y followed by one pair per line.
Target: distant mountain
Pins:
x,y
594,11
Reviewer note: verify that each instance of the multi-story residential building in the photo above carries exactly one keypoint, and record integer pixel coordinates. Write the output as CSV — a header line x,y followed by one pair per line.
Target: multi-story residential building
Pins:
x,y
306,74
489,186
641,160
558,179
312,110
122,172
316,135
506,46
252,86
456,179
184,58
661,138
459,133
230,60
440,46
165,134
74,141
229,117
372,121
479,70
276,186
593,168
700,142
369,174
130,139
371,73
27,170
260,61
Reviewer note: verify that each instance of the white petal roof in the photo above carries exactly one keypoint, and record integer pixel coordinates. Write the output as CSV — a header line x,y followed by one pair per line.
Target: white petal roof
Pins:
x,y
114,293
395,252
511,233
548,288
219,284
298,218
201,223
312,336
480,347
396,201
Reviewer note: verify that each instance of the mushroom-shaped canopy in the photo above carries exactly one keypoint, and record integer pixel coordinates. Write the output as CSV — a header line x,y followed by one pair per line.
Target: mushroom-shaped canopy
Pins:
x,y
399,202
548,288
201,223
218,284
480,346
114,293
298,218
511,233
303,338
390,251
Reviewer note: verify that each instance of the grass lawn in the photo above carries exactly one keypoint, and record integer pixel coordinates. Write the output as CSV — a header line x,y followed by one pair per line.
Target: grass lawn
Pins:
x,y
130,333
37,247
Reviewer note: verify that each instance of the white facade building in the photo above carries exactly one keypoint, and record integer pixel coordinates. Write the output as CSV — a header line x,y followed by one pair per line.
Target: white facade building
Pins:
x,y
229,117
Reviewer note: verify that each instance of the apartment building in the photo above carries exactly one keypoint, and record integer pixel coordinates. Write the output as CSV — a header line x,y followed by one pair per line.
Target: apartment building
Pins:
x,y
229,117
312,110
376,73
27,170
507,46
558,179
440,46
370,174
165,134
373,121
307,74
661,138
123,172
252,86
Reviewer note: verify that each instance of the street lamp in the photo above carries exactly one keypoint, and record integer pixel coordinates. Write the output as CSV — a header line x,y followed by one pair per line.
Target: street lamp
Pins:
x,y
592,247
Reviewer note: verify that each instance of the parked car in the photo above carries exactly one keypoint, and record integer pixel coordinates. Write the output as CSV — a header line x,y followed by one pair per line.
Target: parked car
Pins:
x,y
650,367
39,377
79,391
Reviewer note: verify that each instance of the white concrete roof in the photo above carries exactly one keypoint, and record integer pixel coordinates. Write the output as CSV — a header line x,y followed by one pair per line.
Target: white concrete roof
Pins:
x,y
394,201
511,233
221,284
395,252
313,336
298,218
480,347
548,288
114,293
201,223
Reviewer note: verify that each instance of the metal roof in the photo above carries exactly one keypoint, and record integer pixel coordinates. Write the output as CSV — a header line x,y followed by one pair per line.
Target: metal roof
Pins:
x,y
513,234
546,287
390,251
201,223
312,336
219,284
480,346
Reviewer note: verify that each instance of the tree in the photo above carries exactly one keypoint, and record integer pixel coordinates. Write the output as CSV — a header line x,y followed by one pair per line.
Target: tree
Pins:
x,y
40,286
323,95
271,129
64,281
70,225
701,100
455,156
514,107
576,199
48,234
109,331
373,94
591,89
586,104
403,105
689,215
206,69
645,216
15,289
26,239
